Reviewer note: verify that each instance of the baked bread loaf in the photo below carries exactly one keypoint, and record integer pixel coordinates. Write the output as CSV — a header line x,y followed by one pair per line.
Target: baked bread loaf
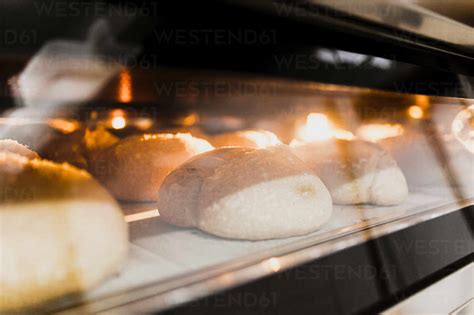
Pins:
x,y
355,172
135,167
245,193
96,140
66,148
12,146
61,232
78,147
246,138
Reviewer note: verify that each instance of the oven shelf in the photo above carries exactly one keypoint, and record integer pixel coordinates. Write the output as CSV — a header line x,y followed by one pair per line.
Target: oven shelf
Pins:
x,y
176,265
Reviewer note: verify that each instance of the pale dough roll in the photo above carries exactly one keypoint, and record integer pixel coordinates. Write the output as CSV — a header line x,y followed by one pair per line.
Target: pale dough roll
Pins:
x,y
12,146
355,171
135,167
246,193
431,170
246,138
60,232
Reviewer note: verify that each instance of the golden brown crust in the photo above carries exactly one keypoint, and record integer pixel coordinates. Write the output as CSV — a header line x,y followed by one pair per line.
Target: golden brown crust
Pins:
x,y
135,167
54,220
26,180
66,148
97,140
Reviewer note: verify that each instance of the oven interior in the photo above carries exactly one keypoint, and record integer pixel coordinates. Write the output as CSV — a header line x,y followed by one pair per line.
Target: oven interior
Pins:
x,y
430,137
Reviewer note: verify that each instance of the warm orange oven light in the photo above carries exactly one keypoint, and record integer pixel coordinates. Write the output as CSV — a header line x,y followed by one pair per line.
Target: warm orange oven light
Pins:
x,y
318,127
262,138
416,112
143,123
376,132
118,120
422,101
125,94
190,120
65,126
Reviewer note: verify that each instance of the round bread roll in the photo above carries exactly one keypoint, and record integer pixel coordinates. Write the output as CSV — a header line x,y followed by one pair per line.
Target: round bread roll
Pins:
x,y
135,167
246,138
66,148
12,146
355,172
97,140
431,170
78,147
60,232
405,151
245,193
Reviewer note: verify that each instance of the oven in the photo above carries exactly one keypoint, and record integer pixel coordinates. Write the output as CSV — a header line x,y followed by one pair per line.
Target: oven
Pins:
x,y
394,77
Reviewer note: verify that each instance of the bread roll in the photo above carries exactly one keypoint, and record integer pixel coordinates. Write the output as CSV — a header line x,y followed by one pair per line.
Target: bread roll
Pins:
x,y
60,232
246,138
245,193
355,172
135,167
78,147
12,146
97,140
431,170
66,148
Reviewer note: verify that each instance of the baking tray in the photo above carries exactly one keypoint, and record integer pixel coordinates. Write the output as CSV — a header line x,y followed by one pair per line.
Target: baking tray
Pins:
x,y
180,264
